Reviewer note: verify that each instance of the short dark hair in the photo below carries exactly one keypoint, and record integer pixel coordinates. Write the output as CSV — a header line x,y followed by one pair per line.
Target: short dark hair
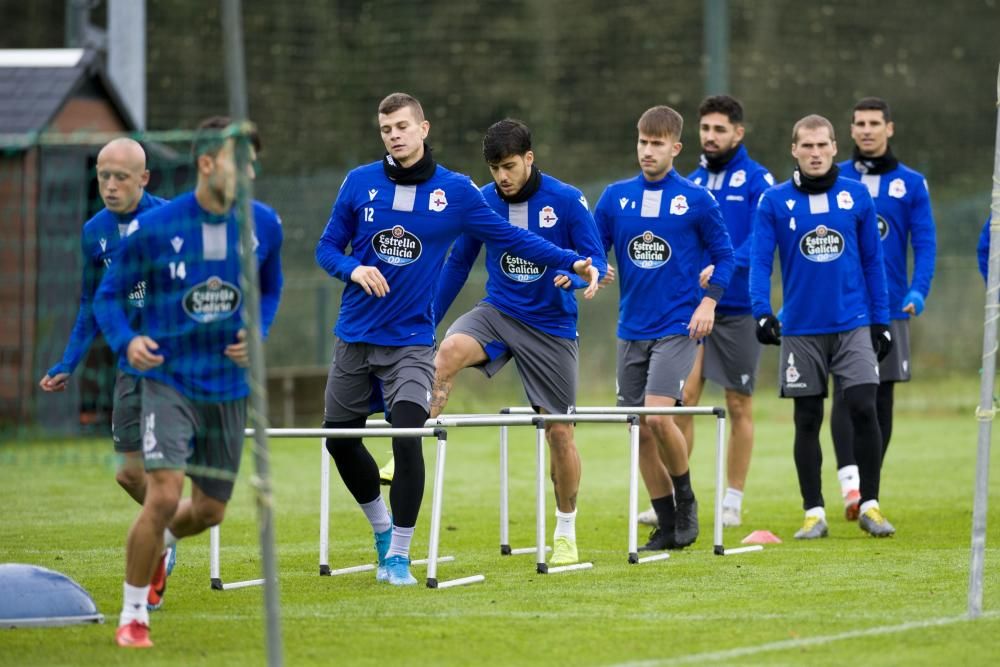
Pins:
x,y
396,101
729,107
661,121
210,136
812,122
872,104
504,139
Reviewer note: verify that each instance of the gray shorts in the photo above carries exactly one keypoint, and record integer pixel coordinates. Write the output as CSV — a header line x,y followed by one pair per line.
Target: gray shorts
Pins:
x,y
807,362
365,379
547,364
655,367
203,439
126,413
732,353
896,366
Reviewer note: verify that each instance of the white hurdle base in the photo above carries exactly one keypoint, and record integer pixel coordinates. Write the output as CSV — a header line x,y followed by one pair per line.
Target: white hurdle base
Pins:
x,y
568,568
505,550
650,559
738,550
325,571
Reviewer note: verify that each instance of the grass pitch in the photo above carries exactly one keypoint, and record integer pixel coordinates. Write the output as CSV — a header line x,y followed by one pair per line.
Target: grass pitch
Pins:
x,y
848,599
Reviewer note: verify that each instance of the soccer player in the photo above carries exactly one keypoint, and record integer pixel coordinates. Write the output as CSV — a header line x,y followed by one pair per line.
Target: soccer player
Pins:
x,y
121,180
835,314
903,210
527,316
400,216
191,352
662,226
730,355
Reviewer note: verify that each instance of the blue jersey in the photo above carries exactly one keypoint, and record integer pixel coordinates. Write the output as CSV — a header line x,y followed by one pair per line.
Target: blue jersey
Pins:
x,y
102,235
405,231
190,261
518,287
983,249
661,232
737,188
903,207
831,258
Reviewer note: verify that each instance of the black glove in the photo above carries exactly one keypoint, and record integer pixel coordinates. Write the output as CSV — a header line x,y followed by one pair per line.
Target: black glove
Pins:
x,y
769,330
881,340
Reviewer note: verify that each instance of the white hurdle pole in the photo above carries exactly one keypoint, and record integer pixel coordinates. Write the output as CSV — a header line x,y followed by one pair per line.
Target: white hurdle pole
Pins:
x,y
324,509
720,486
505,549
540,565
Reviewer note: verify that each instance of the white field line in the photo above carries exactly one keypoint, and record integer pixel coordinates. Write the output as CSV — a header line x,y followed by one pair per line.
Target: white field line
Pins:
x,y
786,644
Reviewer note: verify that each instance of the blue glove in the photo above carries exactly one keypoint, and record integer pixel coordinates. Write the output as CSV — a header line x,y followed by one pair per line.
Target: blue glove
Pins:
x,y
916,298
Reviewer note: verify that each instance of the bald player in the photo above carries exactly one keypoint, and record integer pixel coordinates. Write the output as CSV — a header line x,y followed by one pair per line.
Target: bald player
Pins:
x,y
122,177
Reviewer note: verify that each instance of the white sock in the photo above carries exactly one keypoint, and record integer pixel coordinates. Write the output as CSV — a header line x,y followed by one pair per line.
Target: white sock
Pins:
x,y
400,544
850,479
868,504
169,539
733,499
566,524
378,515
818,512
134,608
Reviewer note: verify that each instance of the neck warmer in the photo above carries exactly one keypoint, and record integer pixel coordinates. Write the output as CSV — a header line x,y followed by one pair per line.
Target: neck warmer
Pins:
x,y
420,171
814,185
874,165
717,163
529,188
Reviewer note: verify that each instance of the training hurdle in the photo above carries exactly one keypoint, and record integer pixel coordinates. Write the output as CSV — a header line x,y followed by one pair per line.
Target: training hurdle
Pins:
x,y
440,434
720,457
538,421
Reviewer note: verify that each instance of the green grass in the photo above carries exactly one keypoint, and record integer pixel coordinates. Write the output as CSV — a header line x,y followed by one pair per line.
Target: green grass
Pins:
x,y
62,510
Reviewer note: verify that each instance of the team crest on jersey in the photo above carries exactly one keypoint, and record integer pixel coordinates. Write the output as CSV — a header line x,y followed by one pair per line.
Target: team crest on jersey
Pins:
x,y
547,217
738,178
844,200
897,188
883,227
520,270
822,244
648,251
678,205
438,202
397,246
212,300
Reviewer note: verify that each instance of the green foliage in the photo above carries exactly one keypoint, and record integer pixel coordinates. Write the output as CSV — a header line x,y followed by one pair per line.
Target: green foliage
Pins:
x,y
63,510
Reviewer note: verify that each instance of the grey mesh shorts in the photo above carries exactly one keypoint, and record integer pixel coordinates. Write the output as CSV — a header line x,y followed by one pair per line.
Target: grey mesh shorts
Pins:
x,y
365,379
732,353
808,361
203,439
547,364
126,413
657,367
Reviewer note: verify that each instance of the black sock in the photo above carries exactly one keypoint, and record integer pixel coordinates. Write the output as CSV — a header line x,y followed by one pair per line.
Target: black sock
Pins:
x,y
665,514
682,487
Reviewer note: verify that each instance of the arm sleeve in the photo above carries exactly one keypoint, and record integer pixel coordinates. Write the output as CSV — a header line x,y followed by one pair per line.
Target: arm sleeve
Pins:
x,y
761,182
455,273
715,237
271,281
762,246
587,242
337,235
924,241
605,224
872,263
85,328
482,222
983,250
109,302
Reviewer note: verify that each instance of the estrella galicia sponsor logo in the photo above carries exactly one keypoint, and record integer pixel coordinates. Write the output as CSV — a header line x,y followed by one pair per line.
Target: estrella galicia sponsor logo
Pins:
x,y
520,270
213,300
137,295
649,251
396,246
822,244
883,227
